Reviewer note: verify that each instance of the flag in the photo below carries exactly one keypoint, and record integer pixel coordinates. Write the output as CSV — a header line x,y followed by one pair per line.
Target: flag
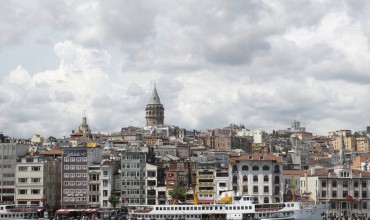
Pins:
x,y
349,198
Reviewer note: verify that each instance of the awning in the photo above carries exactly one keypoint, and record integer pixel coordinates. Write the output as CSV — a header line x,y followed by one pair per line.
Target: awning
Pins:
x,y
40,209
90,210
62,212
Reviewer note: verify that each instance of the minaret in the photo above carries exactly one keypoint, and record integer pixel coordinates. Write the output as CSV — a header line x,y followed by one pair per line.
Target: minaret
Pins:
x,y
154,110
342,158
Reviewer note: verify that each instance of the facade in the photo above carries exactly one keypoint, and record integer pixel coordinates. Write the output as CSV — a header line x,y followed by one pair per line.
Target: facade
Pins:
x,y
151,185
257,175
9,152
205,181
108,169
30,178
94,186
133,171
154,110
347,190
75,163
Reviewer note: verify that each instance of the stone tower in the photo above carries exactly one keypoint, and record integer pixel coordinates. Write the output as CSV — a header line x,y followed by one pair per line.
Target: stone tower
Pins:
x,y
154,110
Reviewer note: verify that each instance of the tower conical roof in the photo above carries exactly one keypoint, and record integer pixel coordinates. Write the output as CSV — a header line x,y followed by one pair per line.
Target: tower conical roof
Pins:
x,y
154,99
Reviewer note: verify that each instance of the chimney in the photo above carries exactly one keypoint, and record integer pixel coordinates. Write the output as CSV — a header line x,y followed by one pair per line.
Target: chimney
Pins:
x,y
312,170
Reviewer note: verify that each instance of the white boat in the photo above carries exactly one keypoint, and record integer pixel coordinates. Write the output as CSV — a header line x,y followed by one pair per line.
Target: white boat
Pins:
x,y
241,208
12,212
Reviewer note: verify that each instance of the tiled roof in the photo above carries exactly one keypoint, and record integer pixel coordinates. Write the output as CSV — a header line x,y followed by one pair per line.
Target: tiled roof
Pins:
x,y
293,172
355,173
52,152
245,157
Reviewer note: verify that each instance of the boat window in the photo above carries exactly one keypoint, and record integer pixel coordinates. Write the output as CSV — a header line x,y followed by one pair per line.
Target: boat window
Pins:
x,y
238,207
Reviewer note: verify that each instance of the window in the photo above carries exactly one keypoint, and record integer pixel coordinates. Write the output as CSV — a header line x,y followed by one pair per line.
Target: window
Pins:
x,y
334,183
22,168
222,184
66,167
364,194
66,175
265,167
105,173
22,191
355,183
35,180
334,194
266,189
345,183
78,159
345,193
72,167
255,178
355,194
245,168
323,194
22,180
245,178
36,168
72,159
265,178
255,168
255,189
66,159
35,191
364,205
323,183
363,183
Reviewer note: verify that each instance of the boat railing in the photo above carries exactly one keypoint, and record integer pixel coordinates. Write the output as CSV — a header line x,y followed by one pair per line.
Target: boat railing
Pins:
x,y
271,209
140,210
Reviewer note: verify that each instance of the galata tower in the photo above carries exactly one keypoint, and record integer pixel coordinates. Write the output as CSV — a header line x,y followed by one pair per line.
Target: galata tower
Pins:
x,y
154,110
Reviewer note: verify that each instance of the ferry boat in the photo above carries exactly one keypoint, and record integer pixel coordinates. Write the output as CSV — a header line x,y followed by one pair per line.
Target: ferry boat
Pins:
x,y
14,213
241,208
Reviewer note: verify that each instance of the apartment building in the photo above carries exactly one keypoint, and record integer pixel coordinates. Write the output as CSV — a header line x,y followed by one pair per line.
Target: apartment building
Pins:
x,y
30,177
133,171
9,152
151,185
94,186
108,171
205,181
75,163
257,175
347,190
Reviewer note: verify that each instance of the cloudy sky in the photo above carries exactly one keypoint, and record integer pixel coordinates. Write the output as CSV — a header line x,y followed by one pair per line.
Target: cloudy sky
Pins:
x,y
259,63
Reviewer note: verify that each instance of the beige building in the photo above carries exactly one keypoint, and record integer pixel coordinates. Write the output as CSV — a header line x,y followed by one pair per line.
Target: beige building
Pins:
x,y
362,144
349,143
151,184
30,178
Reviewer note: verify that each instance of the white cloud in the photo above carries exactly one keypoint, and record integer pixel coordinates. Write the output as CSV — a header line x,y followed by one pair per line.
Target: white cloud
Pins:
x,y
260,63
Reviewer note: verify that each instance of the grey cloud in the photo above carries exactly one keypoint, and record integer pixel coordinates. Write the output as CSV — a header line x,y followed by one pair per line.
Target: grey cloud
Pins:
x,y
64,96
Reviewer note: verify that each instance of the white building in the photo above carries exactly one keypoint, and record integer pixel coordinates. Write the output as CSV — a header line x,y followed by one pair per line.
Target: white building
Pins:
x,y
29,185
257,175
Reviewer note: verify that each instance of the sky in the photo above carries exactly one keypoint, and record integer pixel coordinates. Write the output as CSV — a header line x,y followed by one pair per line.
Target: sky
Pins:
x,y
259,63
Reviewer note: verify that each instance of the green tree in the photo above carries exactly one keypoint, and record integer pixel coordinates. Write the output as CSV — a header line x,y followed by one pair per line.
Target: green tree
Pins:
x,y
178,192
52,139
114,200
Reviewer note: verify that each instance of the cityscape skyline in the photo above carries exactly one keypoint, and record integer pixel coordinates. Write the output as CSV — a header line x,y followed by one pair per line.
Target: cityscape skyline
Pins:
x,y
262,64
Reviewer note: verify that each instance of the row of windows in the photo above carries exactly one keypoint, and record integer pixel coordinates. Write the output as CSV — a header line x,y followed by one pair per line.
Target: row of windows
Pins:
x,y
133,173
25,180
75,167
73,199
73,191
346,205
345,183
256,178
7,183
75,159
26,191
334,194
255,168
74,183
25,168
73,175
168,208
24,203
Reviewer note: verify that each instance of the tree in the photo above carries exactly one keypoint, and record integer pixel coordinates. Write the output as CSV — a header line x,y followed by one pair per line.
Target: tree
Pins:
x,y
178,192
52,139
114,200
